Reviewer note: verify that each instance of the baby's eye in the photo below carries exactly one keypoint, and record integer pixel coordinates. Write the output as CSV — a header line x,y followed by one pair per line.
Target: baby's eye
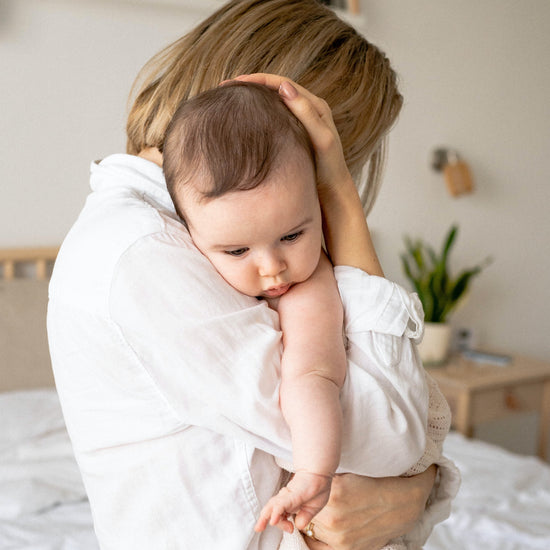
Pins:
x,y
238,252
292,236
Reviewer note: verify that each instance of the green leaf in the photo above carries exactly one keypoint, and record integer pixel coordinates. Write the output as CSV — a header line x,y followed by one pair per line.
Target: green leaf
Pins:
x,y
451,236
407,269
429,275
459,287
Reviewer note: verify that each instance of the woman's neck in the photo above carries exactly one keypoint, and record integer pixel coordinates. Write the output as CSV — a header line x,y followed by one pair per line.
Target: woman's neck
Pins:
x,y
151,154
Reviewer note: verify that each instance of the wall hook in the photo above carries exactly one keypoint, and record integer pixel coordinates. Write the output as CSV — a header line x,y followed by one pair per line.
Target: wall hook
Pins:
x,y
456,172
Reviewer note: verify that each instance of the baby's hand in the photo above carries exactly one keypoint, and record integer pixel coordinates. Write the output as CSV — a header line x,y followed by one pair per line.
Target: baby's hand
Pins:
x,y
305,495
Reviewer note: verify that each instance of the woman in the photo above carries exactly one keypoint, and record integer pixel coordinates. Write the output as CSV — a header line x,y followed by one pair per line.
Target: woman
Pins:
x,y
173,451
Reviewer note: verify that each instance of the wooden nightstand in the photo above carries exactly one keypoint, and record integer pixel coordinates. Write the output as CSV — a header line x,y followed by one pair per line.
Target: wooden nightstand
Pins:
x,y
480,392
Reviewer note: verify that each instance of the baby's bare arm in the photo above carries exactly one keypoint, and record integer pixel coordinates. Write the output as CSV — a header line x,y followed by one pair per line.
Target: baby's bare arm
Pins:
x,y
313,369
311,317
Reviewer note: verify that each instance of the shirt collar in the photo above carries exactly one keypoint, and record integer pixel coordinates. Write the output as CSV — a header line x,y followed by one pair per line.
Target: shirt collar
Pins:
x,y
130,171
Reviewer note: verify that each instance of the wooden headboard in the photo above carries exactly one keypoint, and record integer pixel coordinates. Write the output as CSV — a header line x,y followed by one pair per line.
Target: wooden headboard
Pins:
x,y
24,356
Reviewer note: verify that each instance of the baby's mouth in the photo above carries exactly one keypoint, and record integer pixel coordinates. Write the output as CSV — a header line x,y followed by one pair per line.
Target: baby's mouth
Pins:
x,y
276,291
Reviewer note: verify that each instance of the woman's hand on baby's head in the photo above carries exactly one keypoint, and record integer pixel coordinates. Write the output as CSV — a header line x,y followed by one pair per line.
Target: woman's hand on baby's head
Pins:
x,y
316,116
346,233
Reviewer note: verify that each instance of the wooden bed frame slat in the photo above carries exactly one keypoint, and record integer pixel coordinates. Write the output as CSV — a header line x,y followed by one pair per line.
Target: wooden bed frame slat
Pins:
x,y
40,257
24,355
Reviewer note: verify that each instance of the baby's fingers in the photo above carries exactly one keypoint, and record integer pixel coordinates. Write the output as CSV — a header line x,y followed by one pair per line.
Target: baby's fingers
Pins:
x,y
272,513
275,512
273,518
261,524
285,525
279,510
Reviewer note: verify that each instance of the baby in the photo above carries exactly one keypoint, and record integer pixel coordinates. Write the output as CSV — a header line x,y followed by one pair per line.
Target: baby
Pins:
x,y
240,169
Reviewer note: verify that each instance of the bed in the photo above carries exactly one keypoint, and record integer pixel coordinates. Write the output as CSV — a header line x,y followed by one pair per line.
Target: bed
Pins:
x,y
504,501
43,504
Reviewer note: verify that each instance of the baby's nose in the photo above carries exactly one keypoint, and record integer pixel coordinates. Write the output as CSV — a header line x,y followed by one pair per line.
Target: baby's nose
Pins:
x,y
271,265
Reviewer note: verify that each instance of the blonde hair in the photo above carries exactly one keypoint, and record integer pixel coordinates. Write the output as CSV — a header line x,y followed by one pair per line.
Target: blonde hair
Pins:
x,y
300,39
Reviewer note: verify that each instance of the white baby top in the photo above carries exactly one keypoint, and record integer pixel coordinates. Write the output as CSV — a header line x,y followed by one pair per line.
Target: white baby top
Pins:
x,y
169,378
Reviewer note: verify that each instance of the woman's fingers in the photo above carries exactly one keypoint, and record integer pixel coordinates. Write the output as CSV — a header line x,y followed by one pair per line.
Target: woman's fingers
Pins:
x,y
321,131
273,81
316,116
306,106
366,513
269,80
313,112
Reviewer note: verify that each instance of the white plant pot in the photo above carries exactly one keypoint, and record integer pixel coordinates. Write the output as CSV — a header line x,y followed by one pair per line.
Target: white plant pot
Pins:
x,y
434,347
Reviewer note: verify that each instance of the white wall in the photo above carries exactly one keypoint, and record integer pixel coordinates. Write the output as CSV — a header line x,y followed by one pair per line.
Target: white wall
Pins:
x,y
66,68
475,75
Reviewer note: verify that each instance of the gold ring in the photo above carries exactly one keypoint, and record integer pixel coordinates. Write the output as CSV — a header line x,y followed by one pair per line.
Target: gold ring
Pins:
x,y
309,531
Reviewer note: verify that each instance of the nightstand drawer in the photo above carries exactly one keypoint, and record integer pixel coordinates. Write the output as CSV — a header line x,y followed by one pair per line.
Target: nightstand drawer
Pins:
x,y
491,404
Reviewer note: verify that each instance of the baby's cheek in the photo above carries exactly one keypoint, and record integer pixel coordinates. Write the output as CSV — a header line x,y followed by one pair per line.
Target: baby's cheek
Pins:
x,y
241,280
224,269
309,265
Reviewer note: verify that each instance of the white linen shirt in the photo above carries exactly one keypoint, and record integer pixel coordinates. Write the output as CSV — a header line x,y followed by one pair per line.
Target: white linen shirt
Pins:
x,y
169,378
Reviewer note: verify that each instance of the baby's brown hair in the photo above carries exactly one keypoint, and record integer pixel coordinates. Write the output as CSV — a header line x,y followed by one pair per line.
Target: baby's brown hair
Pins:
x,y
230,138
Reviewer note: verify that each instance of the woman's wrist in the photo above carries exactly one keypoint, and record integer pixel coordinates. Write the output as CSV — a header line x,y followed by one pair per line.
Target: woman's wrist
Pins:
x,y
426,482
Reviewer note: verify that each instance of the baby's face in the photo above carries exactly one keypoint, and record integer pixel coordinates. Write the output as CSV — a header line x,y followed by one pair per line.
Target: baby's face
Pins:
x,y
264,240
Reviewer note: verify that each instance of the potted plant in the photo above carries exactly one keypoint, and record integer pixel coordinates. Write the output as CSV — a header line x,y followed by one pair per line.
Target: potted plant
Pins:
x,y
439,292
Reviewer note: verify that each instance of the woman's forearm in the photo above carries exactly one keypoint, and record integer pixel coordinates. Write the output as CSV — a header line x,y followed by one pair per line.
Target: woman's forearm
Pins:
x,y
346,232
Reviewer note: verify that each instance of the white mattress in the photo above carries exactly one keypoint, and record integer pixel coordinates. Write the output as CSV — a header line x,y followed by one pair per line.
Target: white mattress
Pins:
x,y
504,501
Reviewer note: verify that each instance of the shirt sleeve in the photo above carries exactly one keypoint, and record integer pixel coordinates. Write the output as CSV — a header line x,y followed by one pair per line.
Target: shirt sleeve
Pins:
x,y
382,322
438,508
214,355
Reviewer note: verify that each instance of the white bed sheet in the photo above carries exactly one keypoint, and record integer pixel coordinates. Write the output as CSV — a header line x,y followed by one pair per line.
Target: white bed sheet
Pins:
x,y
43,503
503,504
